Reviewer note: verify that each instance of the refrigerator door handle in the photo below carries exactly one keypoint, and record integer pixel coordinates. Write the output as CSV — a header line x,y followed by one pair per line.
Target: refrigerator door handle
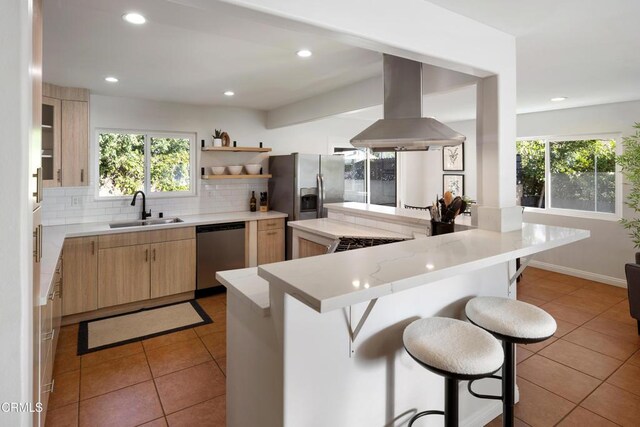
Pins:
x,y
321,197
319,202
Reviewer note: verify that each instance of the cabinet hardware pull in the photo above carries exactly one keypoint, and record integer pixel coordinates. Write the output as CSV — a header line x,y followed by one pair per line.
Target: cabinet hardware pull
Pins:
x,y
36,241
38,193
52,295
271,233
59,175
48,388
48,336
40,245
93,247
81,175
146,255
154,254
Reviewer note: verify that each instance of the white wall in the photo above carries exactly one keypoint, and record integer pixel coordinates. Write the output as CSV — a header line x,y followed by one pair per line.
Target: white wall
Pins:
x,y
16,304
246,126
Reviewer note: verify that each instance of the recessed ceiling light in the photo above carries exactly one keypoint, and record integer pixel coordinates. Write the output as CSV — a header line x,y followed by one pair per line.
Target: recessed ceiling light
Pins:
x,y
134,18
229,93
558,99
304,53
111,79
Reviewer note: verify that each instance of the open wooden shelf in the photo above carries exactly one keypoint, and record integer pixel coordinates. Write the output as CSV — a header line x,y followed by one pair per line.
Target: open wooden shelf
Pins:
x,y
238,149
263,176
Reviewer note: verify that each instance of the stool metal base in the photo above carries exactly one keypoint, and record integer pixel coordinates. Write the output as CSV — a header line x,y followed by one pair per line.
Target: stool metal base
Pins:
x,y
451,405
509,384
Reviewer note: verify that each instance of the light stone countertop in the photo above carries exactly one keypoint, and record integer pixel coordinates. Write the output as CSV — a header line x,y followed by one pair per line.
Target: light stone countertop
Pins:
x,y
338,280
53,236
249,287
334,229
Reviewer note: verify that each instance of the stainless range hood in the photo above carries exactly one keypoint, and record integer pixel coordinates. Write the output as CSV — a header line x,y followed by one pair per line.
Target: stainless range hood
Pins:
x,y
403,127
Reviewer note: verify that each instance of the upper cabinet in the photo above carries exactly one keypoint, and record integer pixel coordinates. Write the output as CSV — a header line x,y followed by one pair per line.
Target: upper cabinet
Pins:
x,y
65,130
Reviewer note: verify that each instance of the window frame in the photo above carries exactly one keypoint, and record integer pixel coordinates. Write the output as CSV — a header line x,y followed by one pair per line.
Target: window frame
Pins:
x,y
607,216
148,134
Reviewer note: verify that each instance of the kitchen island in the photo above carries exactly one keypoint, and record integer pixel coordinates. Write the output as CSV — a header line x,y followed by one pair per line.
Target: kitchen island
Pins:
x,y
327,351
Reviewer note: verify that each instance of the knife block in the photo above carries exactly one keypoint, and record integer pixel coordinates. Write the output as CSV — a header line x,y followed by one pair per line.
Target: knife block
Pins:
x,y
438,228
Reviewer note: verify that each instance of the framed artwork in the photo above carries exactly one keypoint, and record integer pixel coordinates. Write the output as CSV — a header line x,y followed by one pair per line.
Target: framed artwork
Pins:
x,y
453,158
453,183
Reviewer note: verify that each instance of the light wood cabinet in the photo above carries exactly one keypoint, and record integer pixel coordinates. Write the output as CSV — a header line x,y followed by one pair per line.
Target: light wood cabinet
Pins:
x,y
51,132
80,275
173,267
123,275
307,248
270,246
75,143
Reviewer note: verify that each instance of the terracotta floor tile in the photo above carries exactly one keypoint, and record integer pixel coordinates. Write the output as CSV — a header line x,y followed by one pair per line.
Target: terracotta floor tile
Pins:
x,y
565,278
66,360
563,328
539,407
605,344
593,306
222,363
582,359
160,422
597,295
166,339
539,293
66,390
557,378
538,346
580,417
68,336
635,359
113,375
216,326
532,300
615,329
190,386
523,354
211,413
614,404
536,272
565,287
627,378
620,313
216,343
130,406
567,313
497,422
66,416
97,357
170,358
604,289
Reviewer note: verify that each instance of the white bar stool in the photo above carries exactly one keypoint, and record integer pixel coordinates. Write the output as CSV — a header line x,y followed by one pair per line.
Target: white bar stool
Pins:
x,y
513,322
455,350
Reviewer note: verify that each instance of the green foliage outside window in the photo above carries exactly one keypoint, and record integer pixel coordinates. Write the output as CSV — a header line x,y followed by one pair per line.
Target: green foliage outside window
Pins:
x,y
122,164
532,158
629,163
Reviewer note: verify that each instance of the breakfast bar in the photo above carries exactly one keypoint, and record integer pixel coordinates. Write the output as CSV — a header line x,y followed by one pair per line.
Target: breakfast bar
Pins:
x,y
318,341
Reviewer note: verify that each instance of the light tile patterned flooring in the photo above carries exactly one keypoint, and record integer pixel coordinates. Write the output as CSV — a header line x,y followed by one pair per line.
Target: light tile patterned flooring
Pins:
x,y
176,379
588,374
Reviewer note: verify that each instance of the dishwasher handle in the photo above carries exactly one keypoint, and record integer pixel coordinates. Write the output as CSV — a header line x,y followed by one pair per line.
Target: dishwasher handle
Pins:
x,y
220,227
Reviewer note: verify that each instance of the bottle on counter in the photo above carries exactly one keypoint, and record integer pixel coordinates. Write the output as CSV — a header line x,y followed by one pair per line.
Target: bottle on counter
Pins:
x,y
252,202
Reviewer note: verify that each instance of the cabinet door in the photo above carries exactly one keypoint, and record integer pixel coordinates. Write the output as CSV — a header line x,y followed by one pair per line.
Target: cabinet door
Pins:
x,y
75,143
307,248
270,246
173,267
80,275
51,164
123,275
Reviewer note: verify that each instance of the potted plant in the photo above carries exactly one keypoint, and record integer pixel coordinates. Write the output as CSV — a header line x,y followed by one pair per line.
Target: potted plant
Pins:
x,y
629,163
217,138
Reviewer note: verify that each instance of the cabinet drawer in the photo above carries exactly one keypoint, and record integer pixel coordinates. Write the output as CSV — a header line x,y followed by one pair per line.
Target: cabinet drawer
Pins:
x,y
270,224
145,237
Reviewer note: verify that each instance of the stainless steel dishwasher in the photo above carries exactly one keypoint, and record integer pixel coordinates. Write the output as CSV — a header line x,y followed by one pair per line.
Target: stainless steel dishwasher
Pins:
x,y
219,247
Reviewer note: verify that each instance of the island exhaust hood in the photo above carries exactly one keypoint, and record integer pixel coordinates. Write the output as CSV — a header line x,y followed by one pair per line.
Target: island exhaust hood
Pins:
x,y
403,127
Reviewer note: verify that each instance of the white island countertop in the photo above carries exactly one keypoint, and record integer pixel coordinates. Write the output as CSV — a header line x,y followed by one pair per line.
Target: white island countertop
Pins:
x,y
334,229
53,236
338,280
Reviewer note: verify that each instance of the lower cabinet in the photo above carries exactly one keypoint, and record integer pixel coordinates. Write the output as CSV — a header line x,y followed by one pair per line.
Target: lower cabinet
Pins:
x,y
270,241
123,275
173,267
307,248
80,271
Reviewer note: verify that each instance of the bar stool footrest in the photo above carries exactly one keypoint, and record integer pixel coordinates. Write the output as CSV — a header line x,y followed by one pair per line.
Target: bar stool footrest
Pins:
x,y
485,396
422,414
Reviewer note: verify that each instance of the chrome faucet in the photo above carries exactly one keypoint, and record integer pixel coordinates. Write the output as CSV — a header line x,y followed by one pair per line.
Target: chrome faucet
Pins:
x,y
144,215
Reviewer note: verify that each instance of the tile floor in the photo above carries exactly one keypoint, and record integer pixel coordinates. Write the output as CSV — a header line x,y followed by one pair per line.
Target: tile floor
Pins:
x,y
588,374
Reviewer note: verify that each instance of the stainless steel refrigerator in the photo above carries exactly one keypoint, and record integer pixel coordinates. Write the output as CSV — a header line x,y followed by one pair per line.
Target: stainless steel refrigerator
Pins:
x,y
302,183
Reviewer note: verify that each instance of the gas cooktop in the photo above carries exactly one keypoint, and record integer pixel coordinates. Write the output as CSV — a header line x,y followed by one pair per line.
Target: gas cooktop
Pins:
x,y
350,243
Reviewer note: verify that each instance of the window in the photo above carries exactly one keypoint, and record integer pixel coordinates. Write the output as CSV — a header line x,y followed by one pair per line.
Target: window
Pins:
x,y
568,174
369,177
158,164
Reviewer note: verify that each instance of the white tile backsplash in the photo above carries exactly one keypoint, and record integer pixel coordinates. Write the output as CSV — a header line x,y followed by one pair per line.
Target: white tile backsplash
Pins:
x,y
57,207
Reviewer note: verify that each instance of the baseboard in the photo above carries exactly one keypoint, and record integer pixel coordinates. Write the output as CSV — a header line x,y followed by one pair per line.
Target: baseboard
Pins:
x,y
621,283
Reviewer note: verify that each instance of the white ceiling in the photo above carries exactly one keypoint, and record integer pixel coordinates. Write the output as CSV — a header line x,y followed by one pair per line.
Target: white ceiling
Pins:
x,y
192,56
583,49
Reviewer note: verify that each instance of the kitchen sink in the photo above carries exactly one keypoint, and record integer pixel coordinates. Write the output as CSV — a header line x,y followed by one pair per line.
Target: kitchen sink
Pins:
x,y
142,222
